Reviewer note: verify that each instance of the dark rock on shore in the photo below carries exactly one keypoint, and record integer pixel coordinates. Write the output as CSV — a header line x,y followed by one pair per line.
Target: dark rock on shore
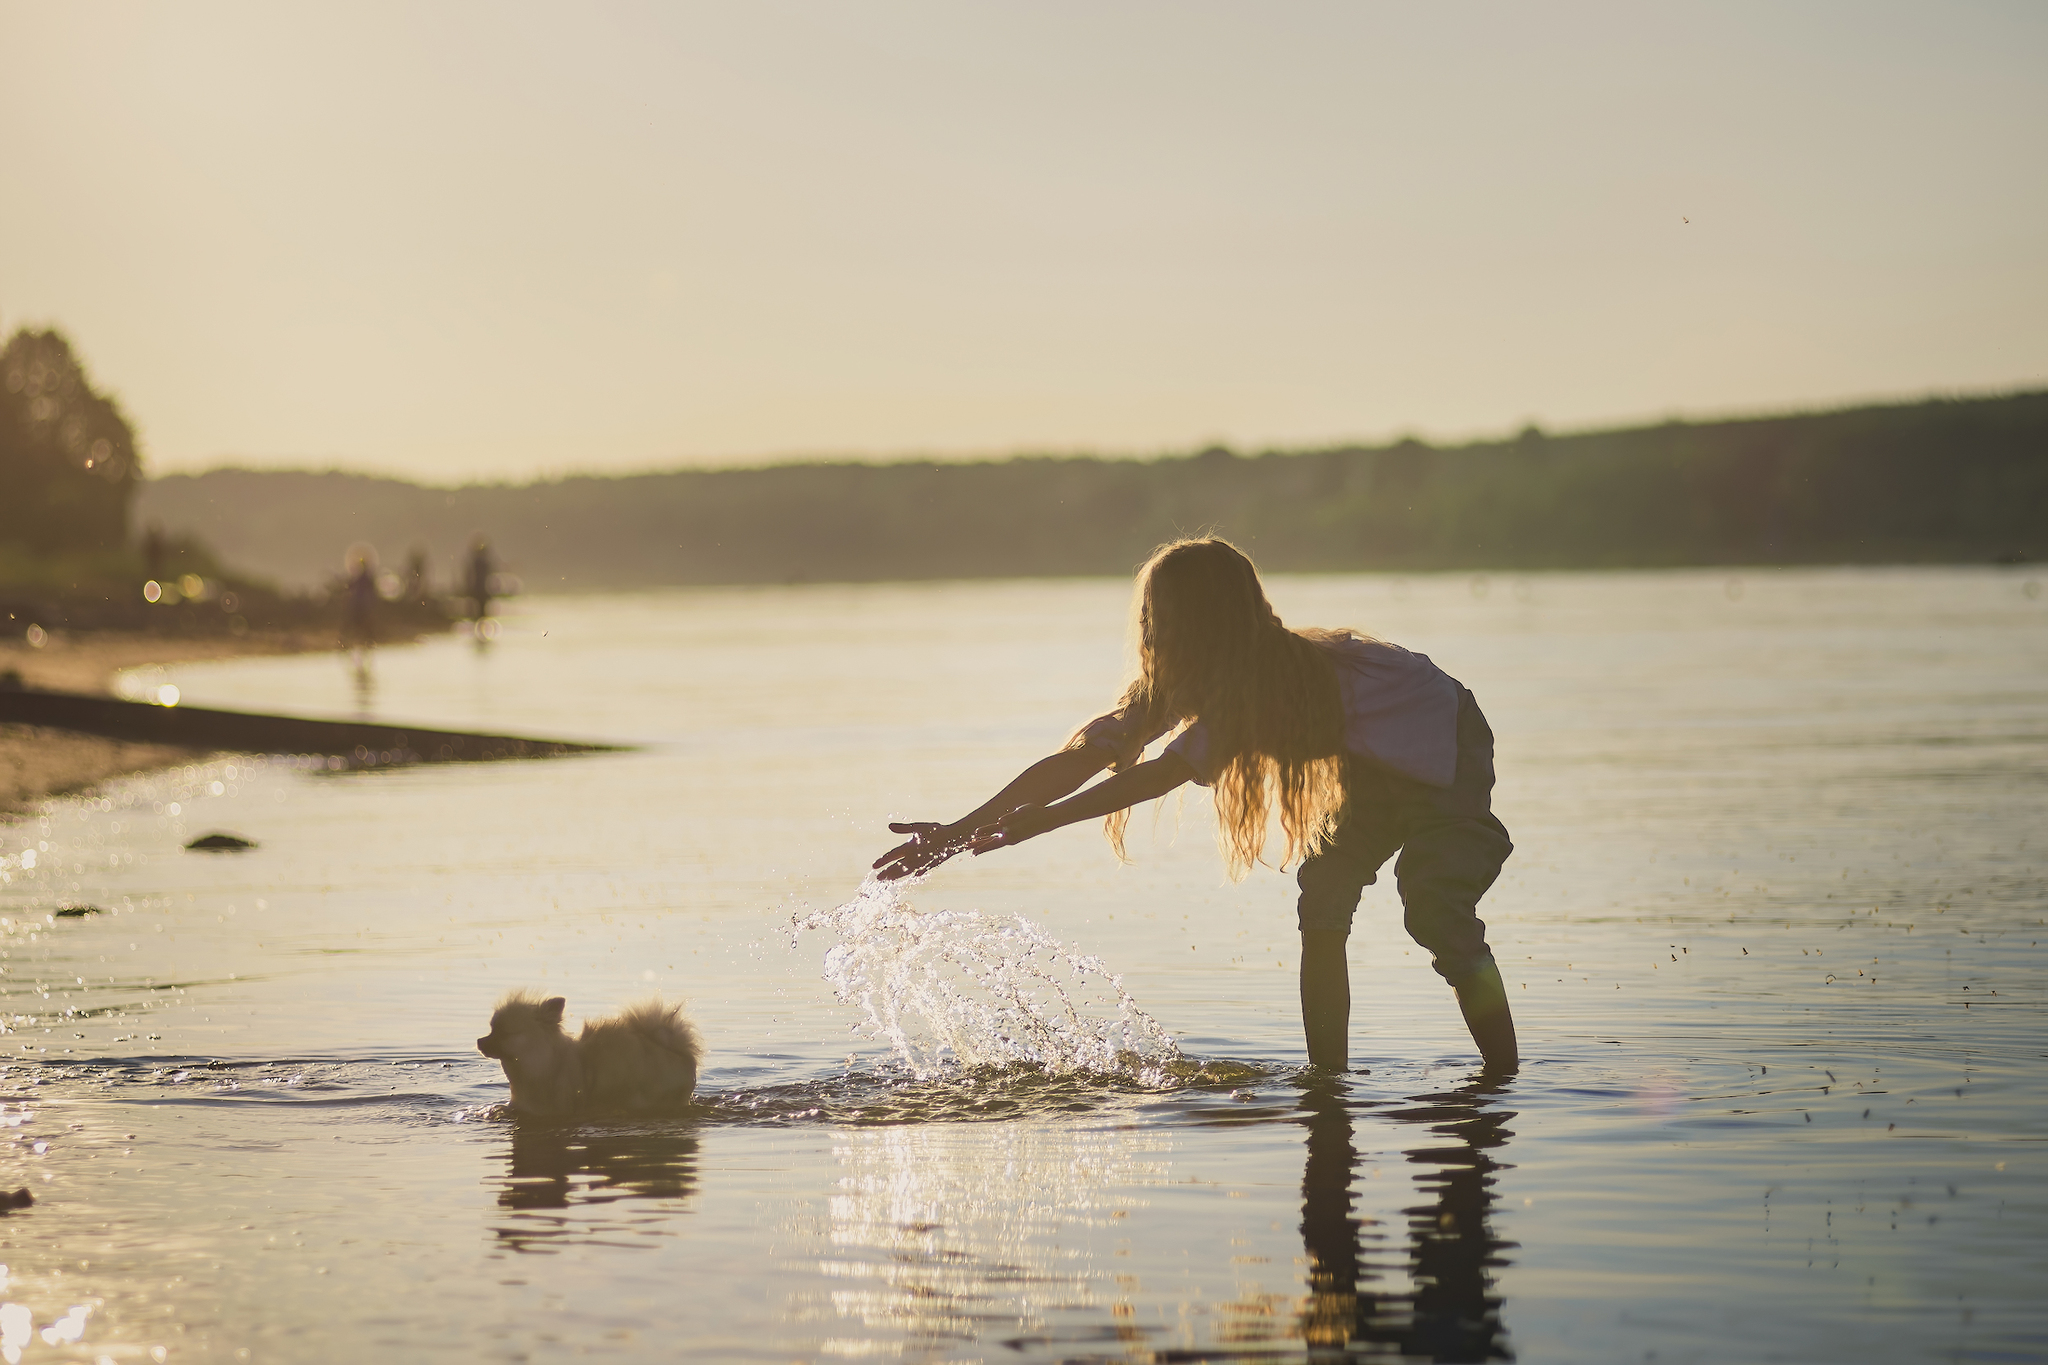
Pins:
x,y
220,843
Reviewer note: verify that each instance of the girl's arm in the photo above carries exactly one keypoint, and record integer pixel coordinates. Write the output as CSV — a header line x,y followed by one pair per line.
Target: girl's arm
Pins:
x,y
1046,780
1144,782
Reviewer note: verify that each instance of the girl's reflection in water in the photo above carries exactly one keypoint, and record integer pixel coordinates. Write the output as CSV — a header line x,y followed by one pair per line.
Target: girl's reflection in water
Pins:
x,y
1451,1314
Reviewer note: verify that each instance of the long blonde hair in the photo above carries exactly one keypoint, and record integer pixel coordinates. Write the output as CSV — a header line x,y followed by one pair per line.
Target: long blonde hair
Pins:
x,y
1211,648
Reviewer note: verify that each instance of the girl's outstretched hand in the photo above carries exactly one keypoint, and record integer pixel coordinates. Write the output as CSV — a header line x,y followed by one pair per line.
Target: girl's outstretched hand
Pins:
x,y
930,843
1025,822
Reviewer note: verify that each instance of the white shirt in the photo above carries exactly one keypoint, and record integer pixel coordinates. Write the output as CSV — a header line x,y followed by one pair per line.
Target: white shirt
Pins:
x,y
1399,708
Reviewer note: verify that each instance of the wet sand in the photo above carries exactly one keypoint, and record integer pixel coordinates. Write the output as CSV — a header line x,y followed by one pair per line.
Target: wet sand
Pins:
x,y
37,762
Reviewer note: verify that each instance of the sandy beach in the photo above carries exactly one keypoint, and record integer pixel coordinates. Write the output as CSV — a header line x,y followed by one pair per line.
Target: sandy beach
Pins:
x,y
36,762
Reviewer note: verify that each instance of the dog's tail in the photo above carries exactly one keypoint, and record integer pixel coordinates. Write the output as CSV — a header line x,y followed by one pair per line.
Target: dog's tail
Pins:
x,y
663,1025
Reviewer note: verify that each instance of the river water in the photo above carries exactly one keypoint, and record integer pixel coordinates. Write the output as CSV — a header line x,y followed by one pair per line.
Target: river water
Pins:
x,y
1776,930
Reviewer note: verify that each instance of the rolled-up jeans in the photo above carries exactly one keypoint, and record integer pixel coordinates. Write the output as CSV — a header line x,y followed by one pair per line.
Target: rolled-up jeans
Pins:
x,y
1451,846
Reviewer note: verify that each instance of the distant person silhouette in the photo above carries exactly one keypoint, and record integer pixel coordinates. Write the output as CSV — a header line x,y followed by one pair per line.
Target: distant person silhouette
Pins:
x,y
416,576
359,619
1361,748
481,571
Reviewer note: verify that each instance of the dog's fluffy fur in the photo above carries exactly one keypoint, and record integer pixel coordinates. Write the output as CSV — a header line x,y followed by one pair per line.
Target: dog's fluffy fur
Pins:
x,y
642,1059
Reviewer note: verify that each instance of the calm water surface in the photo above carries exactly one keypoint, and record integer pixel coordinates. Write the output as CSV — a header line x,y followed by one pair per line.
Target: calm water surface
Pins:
x,y
1777,929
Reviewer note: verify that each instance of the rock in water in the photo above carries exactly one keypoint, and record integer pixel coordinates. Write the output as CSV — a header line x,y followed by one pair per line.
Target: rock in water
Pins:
x,y
20,1199
78,911
221,843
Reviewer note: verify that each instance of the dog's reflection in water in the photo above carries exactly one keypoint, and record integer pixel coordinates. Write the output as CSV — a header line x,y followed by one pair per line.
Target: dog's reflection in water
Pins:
x,y
589,1167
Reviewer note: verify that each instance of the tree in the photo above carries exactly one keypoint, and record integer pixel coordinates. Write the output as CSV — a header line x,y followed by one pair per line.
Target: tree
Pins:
x,y
68,467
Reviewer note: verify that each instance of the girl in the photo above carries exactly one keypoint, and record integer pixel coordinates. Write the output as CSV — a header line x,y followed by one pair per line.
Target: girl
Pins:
x,y
1365,748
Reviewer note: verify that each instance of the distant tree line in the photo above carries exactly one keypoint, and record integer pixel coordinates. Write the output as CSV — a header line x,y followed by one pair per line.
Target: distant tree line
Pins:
x,y
1961,480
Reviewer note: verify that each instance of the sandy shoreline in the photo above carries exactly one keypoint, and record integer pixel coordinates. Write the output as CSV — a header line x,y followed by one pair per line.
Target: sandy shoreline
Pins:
x,y
36,762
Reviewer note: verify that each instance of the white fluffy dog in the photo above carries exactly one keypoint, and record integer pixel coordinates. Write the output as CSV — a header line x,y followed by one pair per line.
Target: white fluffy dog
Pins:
x,y
643,1059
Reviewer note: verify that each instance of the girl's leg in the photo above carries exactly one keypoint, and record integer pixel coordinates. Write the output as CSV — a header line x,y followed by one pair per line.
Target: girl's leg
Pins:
x,y
1331,883
1453,851
1483,1000
1445,868
1326,998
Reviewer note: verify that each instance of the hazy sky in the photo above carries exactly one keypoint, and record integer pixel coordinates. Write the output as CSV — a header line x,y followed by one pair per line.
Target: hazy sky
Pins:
x,y
462,240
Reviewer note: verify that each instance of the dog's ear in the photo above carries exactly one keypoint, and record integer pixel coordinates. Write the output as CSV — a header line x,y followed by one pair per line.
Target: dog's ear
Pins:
x,y
551,1009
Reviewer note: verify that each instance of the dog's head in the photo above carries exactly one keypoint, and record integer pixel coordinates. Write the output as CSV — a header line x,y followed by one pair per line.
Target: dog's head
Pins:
x,y
522,1026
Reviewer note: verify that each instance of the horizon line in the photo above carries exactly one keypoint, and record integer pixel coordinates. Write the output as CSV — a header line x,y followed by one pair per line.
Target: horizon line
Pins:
x,y
1240,449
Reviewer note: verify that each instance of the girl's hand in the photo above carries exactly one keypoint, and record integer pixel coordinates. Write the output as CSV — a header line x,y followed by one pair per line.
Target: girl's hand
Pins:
x,y
929,844
1025,822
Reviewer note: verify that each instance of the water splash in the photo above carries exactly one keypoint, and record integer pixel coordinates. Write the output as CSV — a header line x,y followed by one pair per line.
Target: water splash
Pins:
x,y
949,989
